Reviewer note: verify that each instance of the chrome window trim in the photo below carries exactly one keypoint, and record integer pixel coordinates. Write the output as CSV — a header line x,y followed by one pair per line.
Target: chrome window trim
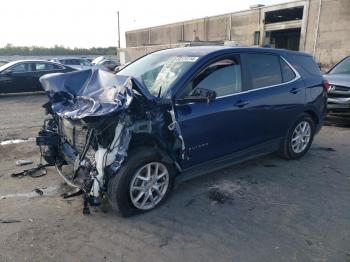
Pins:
x,y
297,76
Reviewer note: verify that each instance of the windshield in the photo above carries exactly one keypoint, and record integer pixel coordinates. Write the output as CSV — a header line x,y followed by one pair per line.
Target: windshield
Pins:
x,y
5,66
342,68
158,71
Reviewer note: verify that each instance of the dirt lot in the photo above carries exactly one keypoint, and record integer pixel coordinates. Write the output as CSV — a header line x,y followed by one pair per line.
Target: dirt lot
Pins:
x,y
266,209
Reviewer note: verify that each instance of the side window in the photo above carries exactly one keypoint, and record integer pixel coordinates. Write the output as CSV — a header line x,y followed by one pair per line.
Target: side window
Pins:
x,y
223,77
41,66
75,62
84,63
287,72
22,67
264,70
57,67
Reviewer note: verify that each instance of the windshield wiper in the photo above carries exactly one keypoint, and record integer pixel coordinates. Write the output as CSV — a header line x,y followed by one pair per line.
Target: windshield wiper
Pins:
x,y
160,91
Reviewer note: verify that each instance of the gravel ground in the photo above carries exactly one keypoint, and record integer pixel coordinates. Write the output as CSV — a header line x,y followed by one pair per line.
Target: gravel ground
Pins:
x,y
266,209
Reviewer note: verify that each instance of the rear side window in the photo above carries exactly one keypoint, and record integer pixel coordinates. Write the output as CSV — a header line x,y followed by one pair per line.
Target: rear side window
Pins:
x,y
264,70
287,72
57,67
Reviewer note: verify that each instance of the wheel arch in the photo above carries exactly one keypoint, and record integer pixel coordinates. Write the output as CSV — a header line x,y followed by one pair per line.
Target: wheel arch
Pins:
x,y
313,115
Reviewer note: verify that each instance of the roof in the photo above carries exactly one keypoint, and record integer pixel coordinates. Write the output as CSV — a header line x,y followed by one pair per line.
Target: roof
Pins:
x,y
205,50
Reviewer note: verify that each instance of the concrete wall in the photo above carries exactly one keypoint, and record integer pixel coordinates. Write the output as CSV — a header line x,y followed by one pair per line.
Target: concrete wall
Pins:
x,y
333,41
326,36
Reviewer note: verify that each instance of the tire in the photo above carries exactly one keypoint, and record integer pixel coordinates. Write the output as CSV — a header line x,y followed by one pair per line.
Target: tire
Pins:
x,y
122,197
289,149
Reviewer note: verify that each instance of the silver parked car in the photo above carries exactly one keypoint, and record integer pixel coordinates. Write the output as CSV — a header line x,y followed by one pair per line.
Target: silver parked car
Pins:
x,y
339,91
76,63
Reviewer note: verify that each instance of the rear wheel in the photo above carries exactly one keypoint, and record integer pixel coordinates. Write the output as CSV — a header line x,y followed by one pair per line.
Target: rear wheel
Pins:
x,y
299,138
143,182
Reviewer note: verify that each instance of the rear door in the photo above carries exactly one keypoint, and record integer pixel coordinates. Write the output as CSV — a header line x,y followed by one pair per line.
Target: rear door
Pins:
x,y
276,95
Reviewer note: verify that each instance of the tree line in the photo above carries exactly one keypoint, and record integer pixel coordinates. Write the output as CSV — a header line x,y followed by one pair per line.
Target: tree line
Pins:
x,y
10,49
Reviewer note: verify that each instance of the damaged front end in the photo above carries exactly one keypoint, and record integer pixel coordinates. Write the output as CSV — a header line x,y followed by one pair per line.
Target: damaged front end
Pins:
x,y
95,118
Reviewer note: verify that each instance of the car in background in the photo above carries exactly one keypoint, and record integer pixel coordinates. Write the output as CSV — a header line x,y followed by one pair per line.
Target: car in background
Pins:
x,y
105,64
23,75
339,92
77,63
3,62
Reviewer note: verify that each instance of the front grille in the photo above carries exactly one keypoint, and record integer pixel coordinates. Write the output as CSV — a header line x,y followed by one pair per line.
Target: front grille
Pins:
x,y
338,95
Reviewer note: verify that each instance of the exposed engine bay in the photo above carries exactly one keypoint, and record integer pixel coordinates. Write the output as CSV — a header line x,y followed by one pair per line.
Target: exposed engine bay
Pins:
x,y
96,118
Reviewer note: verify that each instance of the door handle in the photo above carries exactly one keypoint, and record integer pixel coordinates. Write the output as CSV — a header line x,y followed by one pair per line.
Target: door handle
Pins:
x,y
241,103
295,90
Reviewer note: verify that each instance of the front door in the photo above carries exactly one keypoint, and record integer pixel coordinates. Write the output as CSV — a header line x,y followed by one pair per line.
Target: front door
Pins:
x,y
211,130
16,79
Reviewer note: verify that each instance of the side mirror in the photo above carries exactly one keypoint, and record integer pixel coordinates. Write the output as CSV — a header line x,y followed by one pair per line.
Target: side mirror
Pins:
x,y
8,72
200,95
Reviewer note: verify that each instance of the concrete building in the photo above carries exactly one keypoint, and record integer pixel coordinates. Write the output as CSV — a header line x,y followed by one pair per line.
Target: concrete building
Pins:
x,y
318,27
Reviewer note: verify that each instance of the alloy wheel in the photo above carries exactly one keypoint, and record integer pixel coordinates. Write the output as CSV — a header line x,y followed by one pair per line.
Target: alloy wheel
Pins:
x,y
301,137
149,185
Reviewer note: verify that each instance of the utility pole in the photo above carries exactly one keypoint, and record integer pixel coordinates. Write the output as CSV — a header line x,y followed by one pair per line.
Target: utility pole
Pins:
x,y
118,30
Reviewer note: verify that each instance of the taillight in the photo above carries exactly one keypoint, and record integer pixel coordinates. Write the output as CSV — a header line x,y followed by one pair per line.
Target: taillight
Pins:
x,y
326,85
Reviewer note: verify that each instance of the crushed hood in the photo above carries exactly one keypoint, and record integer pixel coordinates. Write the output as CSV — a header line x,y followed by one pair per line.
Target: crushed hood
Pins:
x,y
90,92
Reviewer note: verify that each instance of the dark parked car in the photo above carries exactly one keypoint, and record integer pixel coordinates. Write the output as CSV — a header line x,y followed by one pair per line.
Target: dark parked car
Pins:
x,y
177,114
339,92
23,76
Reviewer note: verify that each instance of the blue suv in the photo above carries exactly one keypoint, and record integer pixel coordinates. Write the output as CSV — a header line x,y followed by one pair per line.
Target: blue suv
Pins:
x,y
176,114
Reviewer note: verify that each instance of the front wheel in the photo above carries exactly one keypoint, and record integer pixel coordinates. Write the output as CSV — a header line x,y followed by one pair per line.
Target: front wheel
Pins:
x,y
143,182
299,138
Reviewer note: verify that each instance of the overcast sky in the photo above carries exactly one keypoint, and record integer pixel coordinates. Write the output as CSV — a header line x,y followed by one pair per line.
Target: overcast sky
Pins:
x,y
88,23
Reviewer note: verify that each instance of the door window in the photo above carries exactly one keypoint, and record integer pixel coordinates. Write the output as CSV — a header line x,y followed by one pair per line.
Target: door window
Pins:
x,y
223,77
20,68
41,66
264,69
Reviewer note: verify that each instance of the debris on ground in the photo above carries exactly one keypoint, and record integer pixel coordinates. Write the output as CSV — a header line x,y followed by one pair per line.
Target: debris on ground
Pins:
x,y
9,221
38,191
37,171
23,162
215,194
328,149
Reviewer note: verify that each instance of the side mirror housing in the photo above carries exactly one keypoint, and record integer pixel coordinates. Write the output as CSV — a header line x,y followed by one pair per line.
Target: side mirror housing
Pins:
x,y
199,95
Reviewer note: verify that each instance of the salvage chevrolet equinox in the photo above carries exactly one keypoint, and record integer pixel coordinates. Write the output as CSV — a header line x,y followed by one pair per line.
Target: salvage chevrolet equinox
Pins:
x,y
176,114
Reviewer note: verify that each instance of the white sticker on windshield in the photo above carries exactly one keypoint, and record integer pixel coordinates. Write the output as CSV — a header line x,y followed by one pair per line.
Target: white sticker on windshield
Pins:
x,y
186,58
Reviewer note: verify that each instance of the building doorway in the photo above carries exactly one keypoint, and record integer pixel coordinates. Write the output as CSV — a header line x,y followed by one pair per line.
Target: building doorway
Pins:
x,y
284,39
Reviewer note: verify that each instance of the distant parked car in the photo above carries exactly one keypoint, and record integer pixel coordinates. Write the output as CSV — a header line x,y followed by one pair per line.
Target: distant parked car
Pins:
x,y
3,62
23,76
105,64
339,91
77,63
